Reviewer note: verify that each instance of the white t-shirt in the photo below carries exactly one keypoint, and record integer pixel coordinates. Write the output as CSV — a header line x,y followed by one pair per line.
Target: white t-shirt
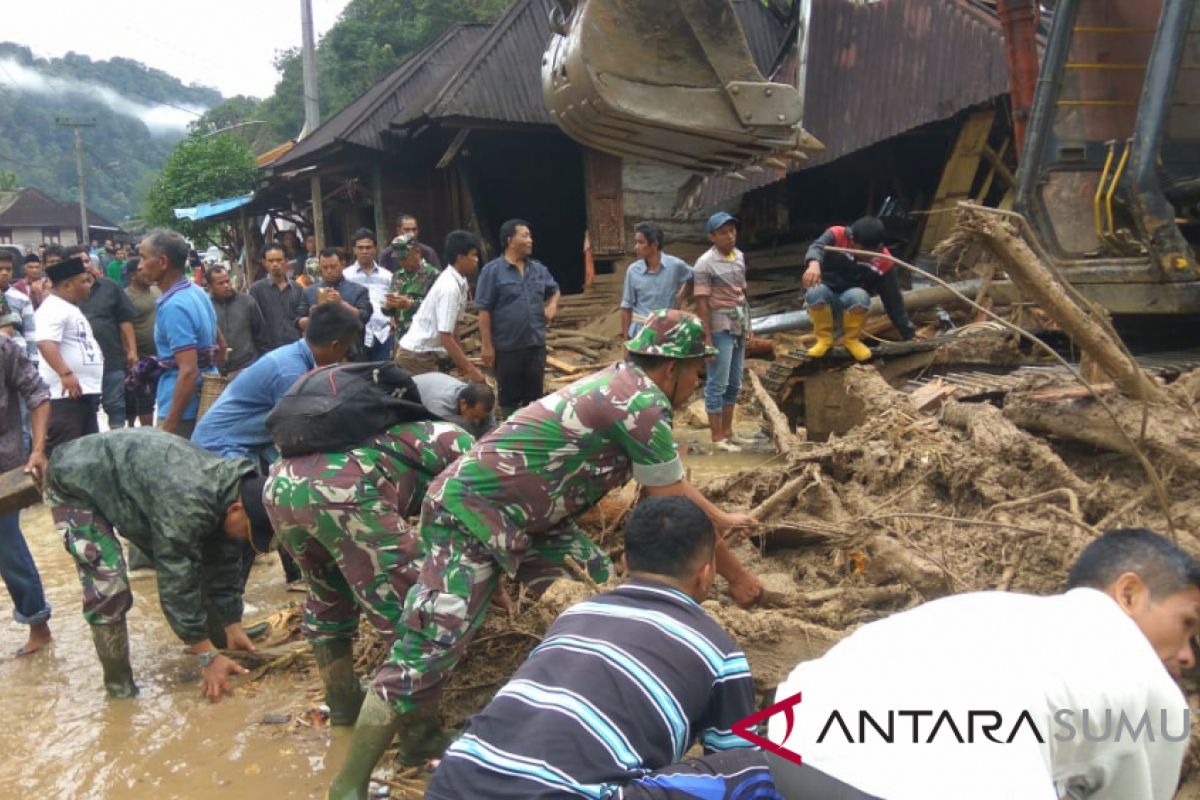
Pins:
x,y
1052,657
439,313
58,321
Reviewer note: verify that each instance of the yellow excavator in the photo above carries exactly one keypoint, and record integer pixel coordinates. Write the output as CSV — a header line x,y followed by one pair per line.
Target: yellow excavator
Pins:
x,y
669,81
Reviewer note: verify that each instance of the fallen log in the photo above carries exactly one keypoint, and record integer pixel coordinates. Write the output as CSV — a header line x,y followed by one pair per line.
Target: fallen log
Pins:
x,y
1171,441
1037,282
781,430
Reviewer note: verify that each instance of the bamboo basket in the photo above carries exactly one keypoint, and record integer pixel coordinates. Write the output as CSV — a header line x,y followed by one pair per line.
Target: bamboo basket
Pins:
x,y
210,389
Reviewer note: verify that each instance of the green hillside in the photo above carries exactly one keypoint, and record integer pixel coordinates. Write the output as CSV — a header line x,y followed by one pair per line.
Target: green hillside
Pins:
x,y
122,154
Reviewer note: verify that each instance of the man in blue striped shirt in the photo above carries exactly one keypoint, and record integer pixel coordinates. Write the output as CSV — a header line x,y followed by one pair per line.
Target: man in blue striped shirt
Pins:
x,y
621,686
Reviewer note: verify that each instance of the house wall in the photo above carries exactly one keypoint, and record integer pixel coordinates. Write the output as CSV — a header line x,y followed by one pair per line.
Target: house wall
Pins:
x,y
651,192
32,237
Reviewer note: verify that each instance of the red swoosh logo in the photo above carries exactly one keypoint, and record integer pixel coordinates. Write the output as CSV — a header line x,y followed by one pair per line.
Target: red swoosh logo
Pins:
x,y
745,727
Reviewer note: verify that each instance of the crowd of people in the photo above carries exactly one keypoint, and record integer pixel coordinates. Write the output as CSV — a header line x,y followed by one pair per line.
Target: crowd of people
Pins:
x,y
416,527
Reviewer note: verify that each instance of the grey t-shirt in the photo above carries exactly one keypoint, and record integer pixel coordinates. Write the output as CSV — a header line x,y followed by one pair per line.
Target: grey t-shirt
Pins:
x,y
439,394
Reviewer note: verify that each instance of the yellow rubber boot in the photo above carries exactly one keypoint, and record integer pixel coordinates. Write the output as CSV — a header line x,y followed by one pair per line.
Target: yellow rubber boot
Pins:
x,y
822,322
852,325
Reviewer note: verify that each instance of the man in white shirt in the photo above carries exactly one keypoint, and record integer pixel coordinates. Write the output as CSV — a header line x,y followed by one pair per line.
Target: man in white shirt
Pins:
x,y
431,336
71,362
984,695
377,340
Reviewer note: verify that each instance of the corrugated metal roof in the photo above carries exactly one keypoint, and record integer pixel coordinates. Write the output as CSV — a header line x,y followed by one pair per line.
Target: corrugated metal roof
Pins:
x,y
503,81
367,117
879,69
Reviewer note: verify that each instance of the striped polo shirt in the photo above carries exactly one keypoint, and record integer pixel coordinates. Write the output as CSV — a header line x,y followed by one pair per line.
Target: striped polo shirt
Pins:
x,y
620,687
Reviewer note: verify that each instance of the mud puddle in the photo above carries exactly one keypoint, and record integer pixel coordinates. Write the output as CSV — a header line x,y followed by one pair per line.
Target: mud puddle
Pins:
x,y
62,738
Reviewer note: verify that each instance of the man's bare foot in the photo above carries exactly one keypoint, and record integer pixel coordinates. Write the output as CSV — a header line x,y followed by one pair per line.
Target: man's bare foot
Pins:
x,y
39,638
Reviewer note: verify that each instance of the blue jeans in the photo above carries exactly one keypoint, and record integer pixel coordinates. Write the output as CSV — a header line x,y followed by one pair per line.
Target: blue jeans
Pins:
x,y
724,372
379,351
821,295
20,574
113,398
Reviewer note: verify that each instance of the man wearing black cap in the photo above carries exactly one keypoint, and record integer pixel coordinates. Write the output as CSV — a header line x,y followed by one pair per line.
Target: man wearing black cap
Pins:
x,y
841,285
72,364
191,523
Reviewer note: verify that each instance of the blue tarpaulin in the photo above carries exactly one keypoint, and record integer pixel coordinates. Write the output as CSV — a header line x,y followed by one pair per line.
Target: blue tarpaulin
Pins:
x,y
214,208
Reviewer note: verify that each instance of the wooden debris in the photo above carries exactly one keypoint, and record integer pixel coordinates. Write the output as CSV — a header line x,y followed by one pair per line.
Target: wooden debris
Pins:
x,y
931,396
781,430
18,490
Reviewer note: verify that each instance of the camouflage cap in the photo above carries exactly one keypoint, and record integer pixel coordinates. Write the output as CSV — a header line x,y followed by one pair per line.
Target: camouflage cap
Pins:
x,y
403,245
672,334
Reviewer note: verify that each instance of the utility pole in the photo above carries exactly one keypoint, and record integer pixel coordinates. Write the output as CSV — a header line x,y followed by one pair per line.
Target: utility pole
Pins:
x,y
312,113
77,125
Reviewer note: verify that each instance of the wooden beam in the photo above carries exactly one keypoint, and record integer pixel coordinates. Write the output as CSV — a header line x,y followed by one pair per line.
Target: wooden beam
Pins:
x,y
456,144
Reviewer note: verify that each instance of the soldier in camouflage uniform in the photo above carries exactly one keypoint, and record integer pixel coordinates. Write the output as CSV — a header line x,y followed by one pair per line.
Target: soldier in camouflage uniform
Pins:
x,y
342,517
185,508
510,505
410,283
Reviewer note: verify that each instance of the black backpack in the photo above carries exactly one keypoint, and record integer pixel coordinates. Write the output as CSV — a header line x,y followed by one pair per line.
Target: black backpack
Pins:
x,y
337,408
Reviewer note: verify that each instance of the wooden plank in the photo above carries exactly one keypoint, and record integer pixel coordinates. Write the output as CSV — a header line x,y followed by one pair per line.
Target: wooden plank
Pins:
x,y
958,176
605,207
18,490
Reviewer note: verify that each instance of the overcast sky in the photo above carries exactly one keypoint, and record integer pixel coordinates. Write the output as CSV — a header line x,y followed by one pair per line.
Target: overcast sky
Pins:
x,y
226,44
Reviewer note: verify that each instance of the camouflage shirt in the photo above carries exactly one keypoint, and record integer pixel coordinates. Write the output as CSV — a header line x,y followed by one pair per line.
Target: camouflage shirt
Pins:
x,y
416,285
400,463
555,458
169,497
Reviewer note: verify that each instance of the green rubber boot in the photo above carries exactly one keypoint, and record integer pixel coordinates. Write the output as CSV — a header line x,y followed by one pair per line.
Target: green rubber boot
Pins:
x,y
343,691
112,646
422,737
377,724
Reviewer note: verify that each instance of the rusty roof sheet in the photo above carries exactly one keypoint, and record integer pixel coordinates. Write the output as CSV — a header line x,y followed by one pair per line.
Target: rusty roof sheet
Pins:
x,y
503,80
365,120
879,69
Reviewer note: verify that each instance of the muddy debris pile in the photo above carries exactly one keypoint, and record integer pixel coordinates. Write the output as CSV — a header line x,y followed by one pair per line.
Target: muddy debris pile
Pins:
x,y
905,508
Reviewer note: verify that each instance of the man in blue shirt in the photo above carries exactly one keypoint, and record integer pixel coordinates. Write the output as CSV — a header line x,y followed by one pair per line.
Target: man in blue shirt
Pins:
x,y
185,330
236,424
653,281
517,298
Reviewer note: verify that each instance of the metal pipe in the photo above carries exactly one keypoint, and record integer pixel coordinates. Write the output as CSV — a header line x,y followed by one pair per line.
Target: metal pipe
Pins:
x,y
1112,187
1019,19
1041,118
1154,212
915,299
1096,217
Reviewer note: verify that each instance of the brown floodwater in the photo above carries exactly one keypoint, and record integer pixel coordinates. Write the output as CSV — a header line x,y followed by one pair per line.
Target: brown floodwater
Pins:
x,y
62,738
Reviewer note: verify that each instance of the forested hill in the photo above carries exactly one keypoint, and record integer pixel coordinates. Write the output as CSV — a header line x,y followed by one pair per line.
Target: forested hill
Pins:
x,y
140,113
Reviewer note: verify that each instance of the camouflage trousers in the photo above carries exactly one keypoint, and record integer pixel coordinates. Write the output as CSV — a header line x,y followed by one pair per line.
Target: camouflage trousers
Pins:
x,y
356,557
449,601
99,560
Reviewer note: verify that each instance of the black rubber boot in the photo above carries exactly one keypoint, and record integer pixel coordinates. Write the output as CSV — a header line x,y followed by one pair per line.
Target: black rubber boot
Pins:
x,y
343,692
377,724
112,646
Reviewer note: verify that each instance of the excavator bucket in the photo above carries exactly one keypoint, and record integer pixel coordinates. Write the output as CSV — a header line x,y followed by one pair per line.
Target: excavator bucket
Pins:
x,y
672,82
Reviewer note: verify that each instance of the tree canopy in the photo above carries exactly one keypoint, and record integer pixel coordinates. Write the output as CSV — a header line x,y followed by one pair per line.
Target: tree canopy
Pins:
x,y
201,169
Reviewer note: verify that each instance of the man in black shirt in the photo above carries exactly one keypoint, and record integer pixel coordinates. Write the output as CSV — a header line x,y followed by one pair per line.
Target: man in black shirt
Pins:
x,y
111,315
278,298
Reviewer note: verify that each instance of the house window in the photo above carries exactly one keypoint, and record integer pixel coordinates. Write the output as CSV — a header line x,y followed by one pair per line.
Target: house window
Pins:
x,y
50,236
5,235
